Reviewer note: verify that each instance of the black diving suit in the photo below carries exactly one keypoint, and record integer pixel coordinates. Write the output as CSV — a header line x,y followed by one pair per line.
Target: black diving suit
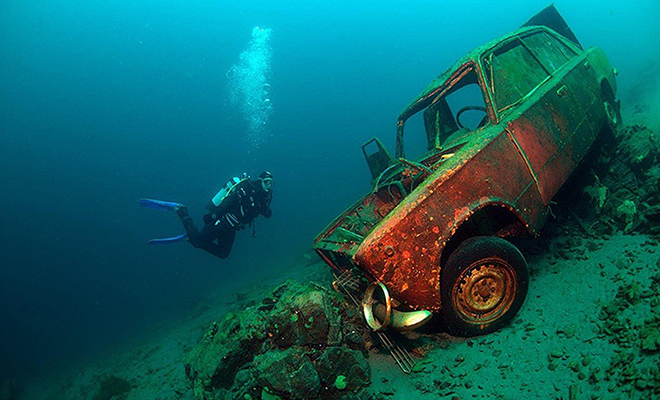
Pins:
x,y
246,201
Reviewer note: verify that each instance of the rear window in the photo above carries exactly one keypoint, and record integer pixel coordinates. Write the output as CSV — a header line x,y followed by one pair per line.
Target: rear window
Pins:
x,y
512,72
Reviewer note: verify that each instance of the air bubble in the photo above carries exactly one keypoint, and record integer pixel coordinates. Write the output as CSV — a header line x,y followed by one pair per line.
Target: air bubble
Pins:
x,y
249,89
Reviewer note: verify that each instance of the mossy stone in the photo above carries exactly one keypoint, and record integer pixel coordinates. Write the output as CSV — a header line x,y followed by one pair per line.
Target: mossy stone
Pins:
x,y
266,395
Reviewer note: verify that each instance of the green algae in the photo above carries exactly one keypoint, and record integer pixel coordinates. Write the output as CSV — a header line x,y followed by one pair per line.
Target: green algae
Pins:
x,y
340,382
266,395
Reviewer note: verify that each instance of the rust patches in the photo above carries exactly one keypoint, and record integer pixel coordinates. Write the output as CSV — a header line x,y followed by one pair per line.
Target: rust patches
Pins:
x,y
558,119
460,214
398,234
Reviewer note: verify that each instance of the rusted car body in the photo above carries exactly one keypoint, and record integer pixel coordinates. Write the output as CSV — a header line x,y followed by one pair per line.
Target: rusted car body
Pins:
x,y
537,102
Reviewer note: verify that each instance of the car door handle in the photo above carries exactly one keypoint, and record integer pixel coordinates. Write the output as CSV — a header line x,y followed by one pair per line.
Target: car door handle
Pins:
x,y
562,91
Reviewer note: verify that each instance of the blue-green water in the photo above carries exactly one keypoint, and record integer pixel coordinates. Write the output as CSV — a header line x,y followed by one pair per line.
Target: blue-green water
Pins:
x,y
104,102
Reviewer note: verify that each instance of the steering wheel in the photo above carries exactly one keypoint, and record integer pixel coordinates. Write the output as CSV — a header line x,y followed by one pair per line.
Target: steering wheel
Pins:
x,y
471,108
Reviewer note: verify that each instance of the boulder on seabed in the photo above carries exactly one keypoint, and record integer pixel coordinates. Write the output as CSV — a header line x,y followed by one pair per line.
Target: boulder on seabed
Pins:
x,y
288,373
293,345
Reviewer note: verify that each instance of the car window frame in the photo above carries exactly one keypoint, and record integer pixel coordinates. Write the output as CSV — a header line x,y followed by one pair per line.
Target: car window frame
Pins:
x,y
557,44
488,83
469,66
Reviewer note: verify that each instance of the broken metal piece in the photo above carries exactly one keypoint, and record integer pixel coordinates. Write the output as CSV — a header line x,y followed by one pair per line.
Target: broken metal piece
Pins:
x,y
400,355
342,284
368,303
404,320
346,279
375,312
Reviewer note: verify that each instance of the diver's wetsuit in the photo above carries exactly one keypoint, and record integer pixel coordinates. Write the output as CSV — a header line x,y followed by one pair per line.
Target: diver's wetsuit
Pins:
x,y
246,202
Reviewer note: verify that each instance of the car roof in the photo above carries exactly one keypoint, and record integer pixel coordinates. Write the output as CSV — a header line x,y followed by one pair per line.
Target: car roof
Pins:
x,y
419,102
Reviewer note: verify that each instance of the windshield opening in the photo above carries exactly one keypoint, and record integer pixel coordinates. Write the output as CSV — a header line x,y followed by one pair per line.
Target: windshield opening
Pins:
x,y
457,111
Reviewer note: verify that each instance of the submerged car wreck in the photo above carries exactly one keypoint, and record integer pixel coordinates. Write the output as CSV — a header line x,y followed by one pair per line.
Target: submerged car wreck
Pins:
x,y
504,129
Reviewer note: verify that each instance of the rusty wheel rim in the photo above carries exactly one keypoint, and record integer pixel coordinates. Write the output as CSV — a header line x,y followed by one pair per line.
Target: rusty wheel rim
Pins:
x,y
484,291
611,114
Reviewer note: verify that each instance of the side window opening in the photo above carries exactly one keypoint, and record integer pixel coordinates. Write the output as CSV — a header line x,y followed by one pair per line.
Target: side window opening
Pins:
x,y
512,72
470,100
455,112
438,123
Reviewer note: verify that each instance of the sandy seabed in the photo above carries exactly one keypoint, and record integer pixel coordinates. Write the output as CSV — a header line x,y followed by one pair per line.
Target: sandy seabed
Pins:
x,y
589,329
576,337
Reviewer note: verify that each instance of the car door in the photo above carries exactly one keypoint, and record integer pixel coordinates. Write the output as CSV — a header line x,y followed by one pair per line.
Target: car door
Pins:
x,y
574,90
539,108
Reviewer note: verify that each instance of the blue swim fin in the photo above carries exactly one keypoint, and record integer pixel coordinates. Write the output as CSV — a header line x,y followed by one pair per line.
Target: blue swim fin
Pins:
x,y
169,240
162,205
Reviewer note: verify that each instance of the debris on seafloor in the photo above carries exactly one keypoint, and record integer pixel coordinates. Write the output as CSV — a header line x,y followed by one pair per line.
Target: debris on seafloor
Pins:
x,y
622,185
633,368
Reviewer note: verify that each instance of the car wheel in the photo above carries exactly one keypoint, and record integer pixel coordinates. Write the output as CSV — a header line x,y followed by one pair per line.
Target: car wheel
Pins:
x,y
482,286
613,114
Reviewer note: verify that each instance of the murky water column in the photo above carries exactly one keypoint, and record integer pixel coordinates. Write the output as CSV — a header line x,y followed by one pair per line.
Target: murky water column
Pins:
x,y
248,85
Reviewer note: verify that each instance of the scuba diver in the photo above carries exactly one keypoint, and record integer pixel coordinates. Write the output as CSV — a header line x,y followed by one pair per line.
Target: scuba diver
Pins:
x,y
233,208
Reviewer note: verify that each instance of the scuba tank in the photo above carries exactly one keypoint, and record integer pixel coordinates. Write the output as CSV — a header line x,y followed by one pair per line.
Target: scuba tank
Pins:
x,y
224,192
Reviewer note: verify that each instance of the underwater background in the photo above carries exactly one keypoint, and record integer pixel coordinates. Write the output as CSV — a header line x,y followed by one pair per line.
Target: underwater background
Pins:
x,y
104,102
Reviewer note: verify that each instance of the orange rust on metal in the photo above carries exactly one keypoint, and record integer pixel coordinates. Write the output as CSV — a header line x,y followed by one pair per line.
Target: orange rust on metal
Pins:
x,y
524,157
511,165
465,187
484,291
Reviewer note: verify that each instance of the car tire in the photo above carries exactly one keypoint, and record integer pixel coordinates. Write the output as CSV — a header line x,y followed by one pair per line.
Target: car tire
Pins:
x,y
612,114
482,286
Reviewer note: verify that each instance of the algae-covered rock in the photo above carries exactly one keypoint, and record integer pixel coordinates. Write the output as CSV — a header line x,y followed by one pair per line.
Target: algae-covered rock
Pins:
x,y
223,350
650,336
299,338
306,317
639,148
597,193
245,386
627,211
351,364
287,373
621,187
